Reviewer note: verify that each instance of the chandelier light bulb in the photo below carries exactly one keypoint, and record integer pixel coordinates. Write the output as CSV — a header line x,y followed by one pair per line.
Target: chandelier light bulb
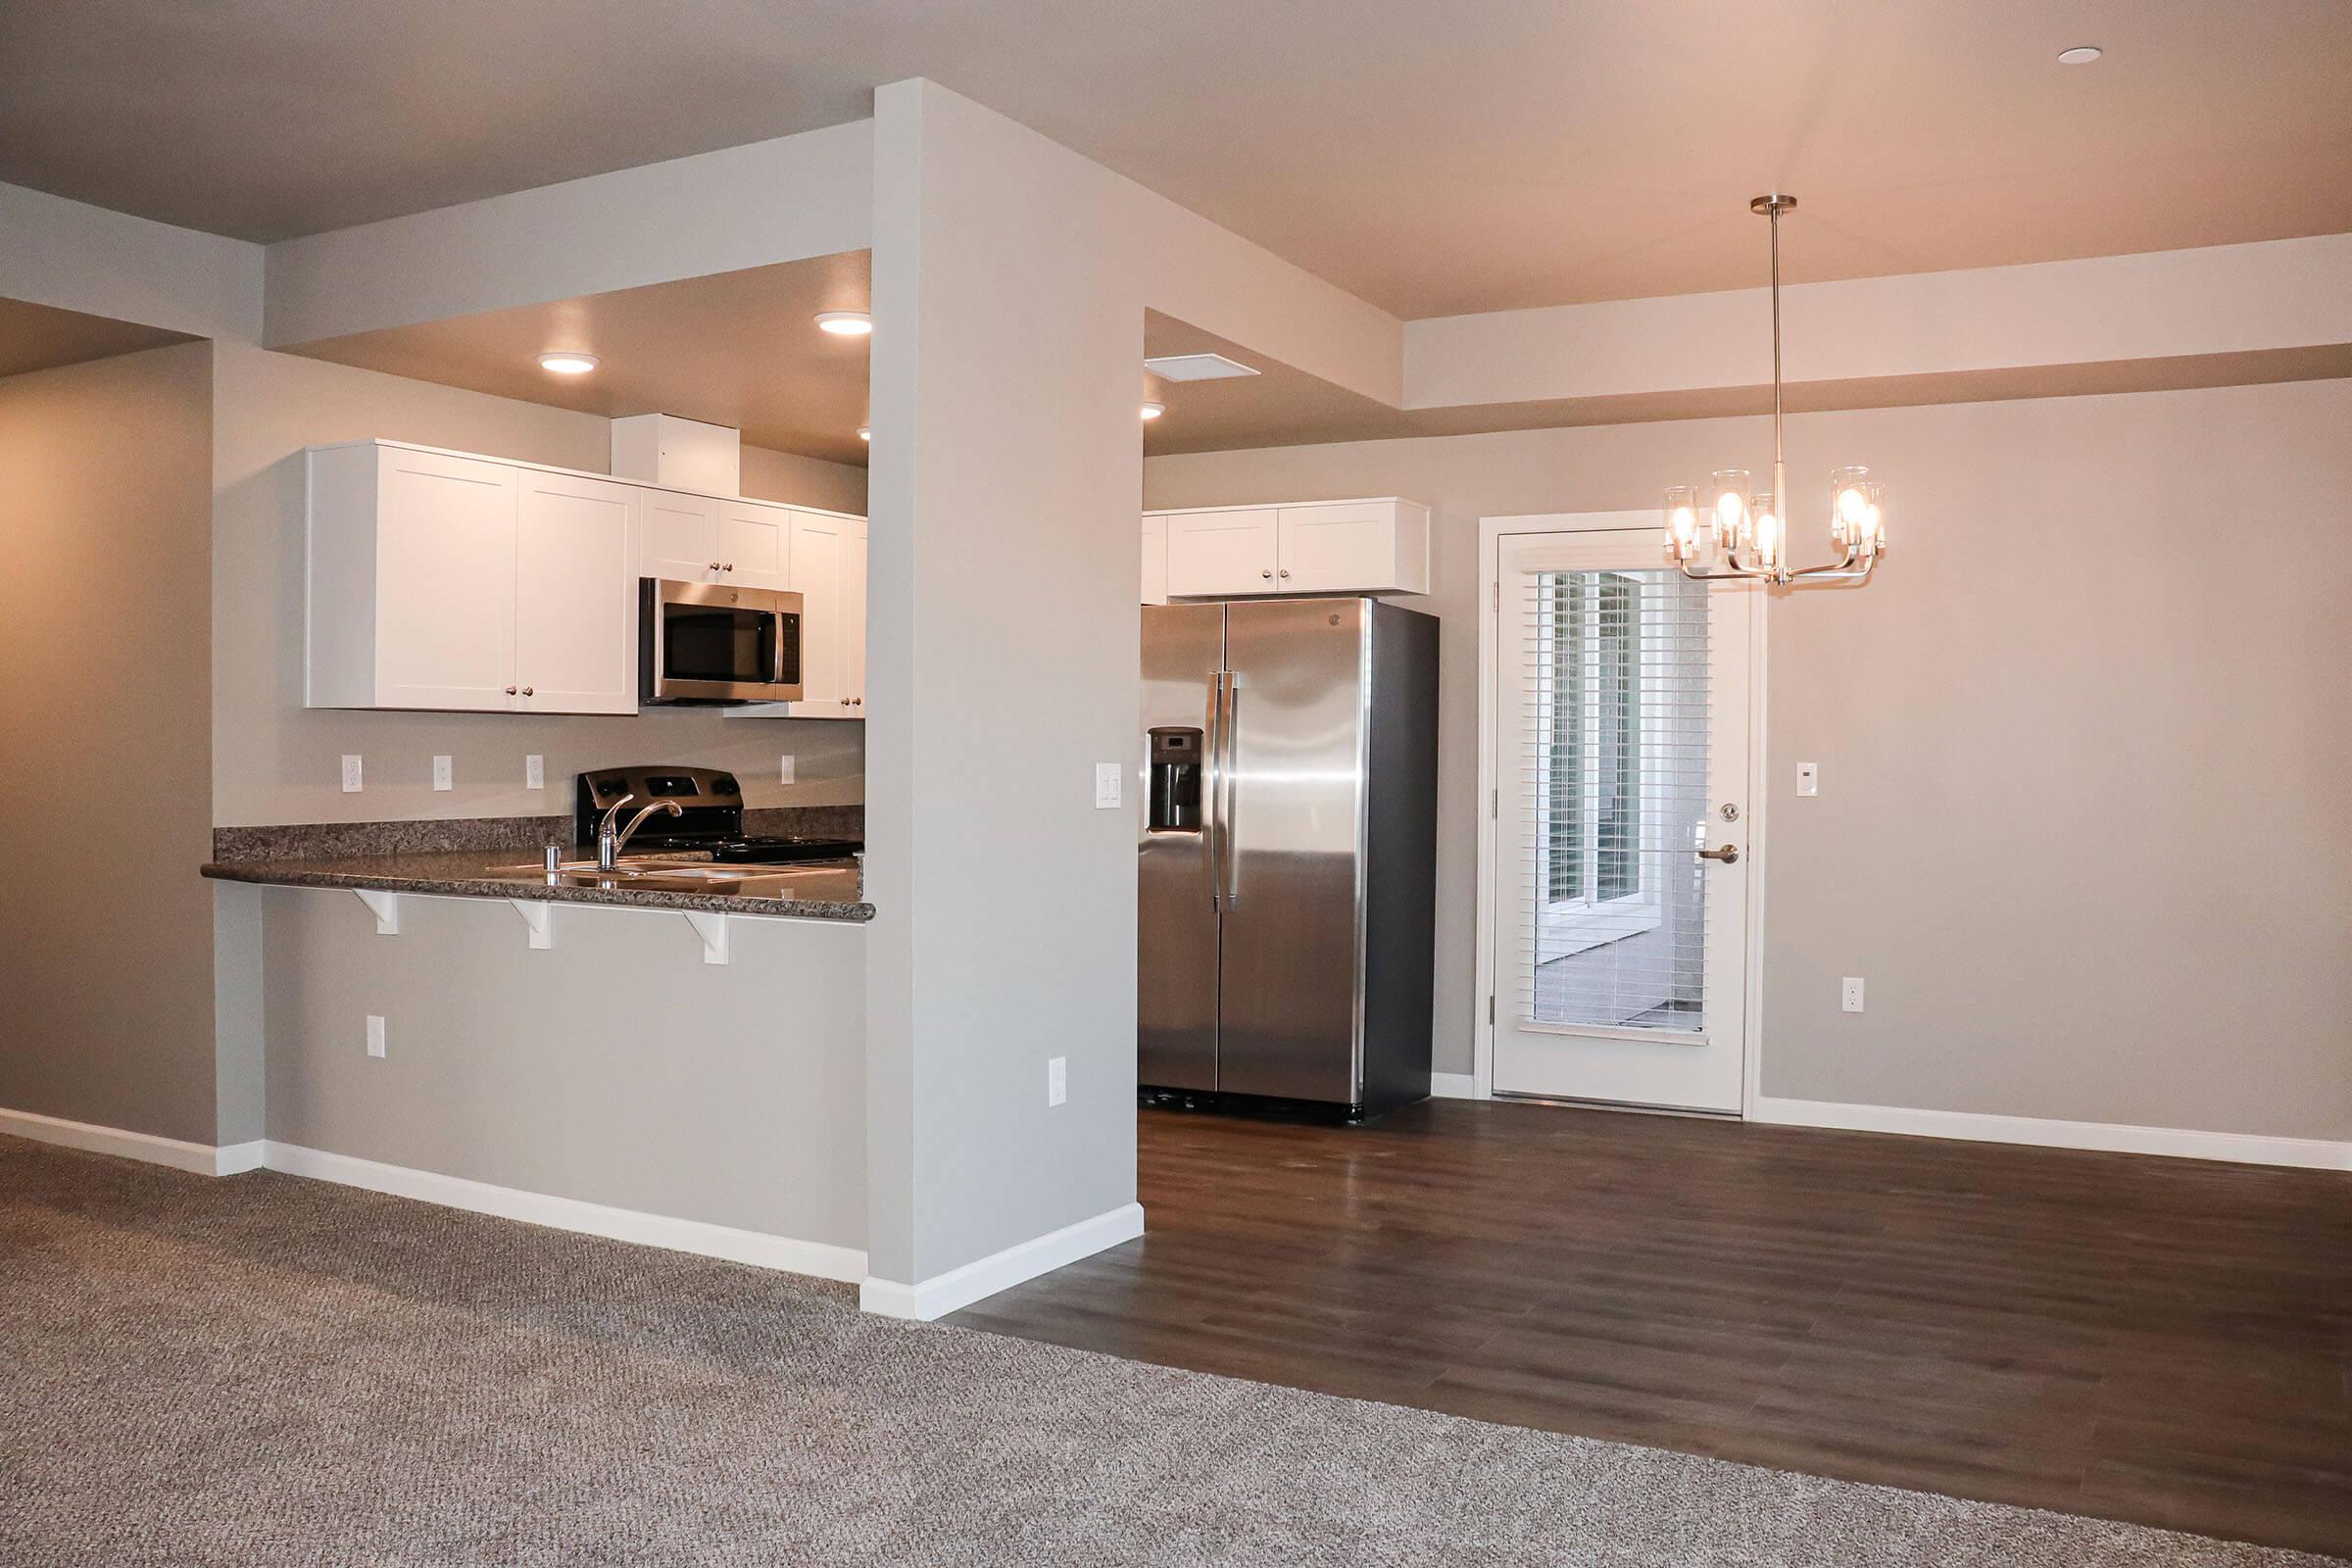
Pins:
x,y
1851,508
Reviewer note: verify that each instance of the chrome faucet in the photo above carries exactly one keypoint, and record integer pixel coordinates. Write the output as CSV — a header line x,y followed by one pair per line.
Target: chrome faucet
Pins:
x,y
610,844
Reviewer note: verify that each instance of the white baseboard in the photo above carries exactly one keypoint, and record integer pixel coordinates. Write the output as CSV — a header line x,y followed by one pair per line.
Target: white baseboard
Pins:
x,y
698,1237
943,1294
1453,1086
180,1154
235,1160
2115,1138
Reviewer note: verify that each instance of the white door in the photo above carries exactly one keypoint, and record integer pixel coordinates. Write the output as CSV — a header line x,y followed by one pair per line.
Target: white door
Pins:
x,y
820,552
1215,553
575,596
755,545
1620,741
1337,549
677,538
445,582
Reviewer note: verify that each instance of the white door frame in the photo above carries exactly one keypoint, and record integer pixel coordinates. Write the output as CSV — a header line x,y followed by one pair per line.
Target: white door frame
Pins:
x,y
1491,532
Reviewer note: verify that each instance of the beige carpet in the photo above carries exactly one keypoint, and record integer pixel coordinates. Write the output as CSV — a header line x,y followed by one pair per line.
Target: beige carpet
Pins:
x,y
263,1371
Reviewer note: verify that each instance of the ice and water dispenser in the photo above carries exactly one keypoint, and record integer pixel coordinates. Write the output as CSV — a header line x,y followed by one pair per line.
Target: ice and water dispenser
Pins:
x,y
1176,757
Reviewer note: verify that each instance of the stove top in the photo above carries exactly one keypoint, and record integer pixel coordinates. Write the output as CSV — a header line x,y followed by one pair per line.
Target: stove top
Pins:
x,y
709,815
783,847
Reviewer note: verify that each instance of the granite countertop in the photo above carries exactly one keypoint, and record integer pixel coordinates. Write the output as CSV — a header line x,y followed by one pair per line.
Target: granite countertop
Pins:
x,y
819,890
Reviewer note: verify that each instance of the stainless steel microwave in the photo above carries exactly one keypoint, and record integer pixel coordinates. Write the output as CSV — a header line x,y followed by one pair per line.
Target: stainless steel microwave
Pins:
x,y
710,643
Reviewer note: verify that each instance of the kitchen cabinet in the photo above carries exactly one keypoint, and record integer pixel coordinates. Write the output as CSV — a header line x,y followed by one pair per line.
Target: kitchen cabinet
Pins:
x,y
754,544
443,581
828,572
689,538
1156,557
1377,546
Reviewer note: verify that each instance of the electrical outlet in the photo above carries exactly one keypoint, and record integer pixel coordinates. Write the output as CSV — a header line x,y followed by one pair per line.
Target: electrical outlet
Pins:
x,y
535,773
1110,778
1850,994
375,1034
351,774
1057,1080
444,778
1808,778
784,768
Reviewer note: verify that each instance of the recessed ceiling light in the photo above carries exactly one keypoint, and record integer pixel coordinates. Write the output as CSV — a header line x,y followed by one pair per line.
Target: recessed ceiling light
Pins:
x,y
846,323
1197,367
2080,55
865,432
565,362
1153,411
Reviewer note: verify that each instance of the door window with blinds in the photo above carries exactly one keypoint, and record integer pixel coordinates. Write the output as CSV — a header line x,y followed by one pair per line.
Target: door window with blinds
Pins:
x,y
1613,731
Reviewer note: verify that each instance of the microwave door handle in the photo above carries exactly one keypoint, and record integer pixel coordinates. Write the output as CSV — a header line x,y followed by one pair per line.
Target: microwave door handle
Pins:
x,y
776,676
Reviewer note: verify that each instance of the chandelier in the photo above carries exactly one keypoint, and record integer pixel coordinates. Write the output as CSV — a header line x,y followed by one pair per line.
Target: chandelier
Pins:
x,y
1736,531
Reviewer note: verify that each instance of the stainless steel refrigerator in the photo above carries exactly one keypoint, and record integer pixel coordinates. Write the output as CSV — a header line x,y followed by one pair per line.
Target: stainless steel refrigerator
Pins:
x,y
1288,851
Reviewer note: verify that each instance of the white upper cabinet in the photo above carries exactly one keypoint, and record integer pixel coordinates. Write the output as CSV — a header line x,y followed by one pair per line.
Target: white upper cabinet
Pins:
x,y
575,603
1156,557
1377,546
443,581
677,537
828,572
754,544
1214,555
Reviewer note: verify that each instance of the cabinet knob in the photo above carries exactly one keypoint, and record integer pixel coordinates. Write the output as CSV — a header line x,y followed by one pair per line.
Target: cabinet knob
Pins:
x,y
715,566
844,702
509,691
730,566
1267,573
526,691
857,701
1286,571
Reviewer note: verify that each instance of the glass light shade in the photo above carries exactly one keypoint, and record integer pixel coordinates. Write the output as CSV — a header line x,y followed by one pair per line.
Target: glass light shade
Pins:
x,y
1849,503
1873,533
1682,521
1728,493
1768,532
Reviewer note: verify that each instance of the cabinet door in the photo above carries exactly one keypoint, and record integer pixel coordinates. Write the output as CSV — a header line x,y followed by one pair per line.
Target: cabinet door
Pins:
x,y
1155,559
445,582
575,596
853,619
820,554
1351,547
755,545
677,537
1214,554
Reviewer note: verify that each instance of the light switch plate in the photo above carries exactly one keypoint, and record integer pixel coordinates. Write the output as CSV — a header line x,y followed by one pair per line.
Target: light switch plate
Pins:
x,y
1057,1080
535,773
784,768
1110,778
444,778
351,774
1808,778
1850,994
375,1034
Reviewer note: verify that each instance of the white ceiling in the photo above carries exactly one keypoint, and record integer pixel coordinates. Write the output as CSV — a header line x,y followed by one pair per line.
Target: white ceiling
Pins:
x,y
1432,158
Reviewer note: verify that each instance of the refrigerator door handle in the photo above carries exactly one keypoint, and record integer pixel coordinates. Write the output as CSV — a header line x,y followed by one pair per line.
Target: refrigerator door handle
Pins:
x,y
1229,731
1212,804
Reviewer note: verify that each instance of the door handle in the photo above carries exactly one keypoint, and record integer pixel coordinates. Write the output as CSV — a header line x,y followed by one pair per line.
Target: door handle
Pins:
x,y
1728,854
1231,733
1212,813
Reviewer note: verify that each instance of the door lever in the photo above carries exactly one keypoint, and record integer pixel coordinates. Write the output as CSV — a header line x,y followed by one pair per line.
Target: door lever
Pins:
x,y
1728,854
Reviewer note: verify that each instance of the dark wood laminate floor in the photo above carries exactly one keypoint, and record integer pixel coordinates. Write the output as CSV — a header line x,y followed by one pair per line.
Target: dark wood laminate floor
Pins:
x,y
2168,1342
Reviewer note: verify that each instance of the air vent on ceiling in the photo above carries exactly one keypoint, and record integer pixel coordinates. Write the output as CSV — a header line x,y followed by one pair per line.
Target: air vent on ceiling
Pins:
x,y
1196,367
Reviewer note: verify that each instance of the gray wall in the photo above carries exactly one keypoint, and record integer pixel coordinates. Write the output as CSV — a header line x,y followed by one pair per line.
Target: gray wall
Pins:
x,y
615,1066
106,935
277,761
2084,746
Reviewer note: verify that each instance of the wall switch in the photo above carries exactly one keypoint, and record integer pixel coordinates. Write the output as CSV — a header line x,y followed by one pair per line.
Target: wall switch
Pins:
x,y
1850,994
351,775
1110,778
784,768
1057,1080
1808,778
375,1034
444,778
535,773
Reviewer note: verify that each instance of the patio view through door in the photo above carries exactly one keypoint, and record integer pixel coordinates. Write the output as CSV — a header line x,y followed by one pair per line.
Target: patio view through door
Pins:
x,y
1618,883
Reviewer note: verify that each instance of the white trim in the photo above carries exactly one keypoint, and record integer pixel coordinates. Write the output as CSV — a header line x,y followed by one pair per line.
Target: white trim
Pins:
x,y
698,1237
2247,1148
235,1160
1454,1086
204,1160
943,1294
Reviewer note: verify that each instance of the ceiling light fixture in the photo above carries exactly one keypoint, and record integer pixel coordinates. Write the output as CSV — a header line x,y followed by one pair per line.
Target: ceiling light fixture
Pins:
x,y
565,362
1744,530
865,432
2082,54
1153,411
846,323
1203,367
